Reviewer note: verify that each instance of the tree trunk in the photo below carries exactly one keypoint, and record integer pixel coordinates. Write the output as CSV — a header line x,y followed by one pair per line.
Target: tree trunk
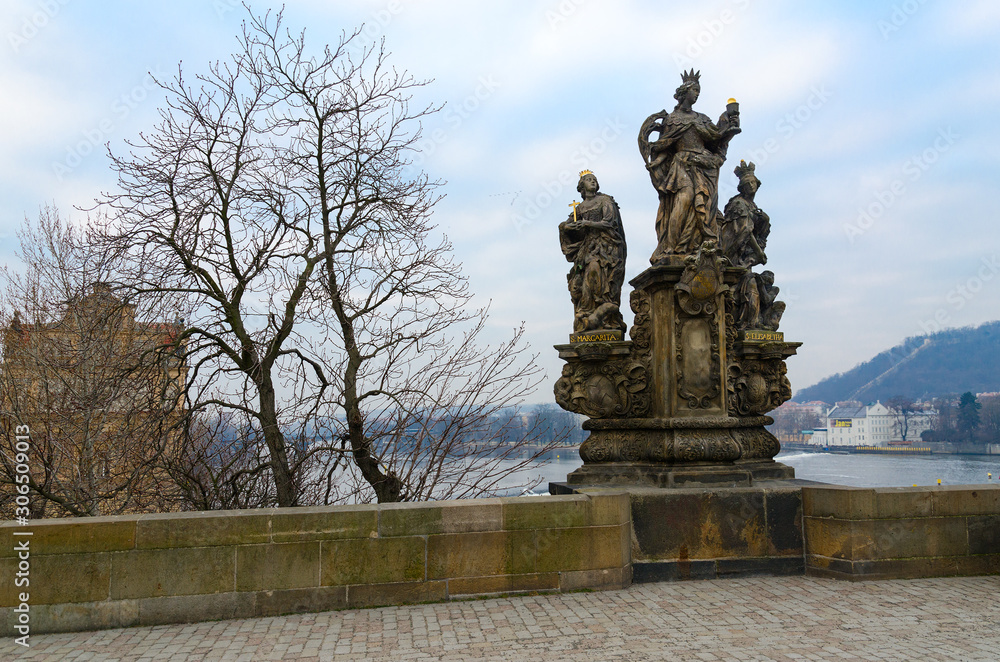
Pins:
x,y
283,480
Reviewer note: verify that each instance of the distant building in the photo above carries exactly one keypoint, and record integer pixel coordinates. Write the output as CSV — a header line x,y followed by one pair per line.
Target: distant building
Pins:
x,y
854,424
100,392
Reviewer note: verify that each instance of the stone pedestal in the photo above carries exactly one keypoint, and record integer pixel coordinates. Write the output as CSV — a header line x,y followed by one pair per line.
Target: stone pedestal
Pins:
x,y
710,532
683,401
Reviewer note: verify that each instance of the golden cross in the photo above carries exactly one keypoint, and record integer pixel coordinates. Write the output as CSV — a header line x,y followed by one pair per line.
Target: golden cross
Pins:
x,y
573,205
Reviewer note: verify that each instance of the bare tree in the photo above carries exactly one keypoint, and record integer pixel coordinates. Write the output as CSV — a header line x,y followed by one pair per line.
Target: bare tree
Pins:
x,y
277,197
903,410
96,386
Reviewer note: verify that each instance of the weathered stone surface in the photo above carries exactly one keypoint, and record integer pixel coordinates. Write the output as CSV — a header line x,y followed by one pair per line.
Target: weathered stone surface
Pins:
x,y
840,539
907,538
903,502
204,529
984,534
75,617
546,513
966,500
645,572
277,566
753,567
838,501
608,508
547,581
784,522
699,524
55,579
471,555
163,572
409,519
71,535
372,561
376,595
323,523
603,579
587,548
300,600
195,608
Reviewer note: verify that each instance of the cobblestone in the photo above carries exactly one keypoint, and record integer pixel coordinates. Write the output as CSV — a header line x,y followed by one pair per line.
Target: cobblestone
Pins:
x,y
765,619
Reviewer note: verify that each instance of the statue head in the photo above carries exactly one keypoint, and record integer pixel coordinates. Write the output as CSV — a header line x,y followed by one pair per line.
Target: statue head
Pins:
x,y
587,186
690,85
768,278
748,179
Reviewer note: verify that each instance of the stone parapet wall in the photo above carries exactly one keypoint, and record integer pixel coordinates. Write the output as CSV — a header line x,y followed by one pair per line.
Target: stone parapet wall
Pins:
x,y
887,533
109,572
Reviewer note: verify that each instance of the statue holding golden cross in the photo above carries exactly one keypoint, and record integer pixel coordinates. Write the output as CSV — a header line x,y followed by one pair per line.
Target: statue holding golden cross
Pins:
x,y
574,205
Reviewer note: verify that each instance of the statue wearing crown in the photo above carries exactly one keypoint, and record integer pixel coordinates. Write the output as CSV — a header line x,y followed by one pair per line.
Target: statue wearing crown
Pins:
x,y
593,239
683,164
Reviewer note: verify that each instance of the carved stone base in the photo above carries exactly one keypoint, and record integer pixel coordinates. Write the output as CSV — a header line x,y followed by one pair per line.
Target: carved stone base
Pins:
x,y
720,439
655,474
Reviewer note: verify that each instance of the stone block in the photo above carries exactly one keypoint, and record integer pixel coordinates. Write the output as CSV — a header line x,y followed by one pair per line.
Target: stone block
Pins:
x,y
71,535
62,578
475,554
300,601
165,572
379,595
825,566
609,508
986,564
922,537
839,539
599,579
324,523
910,568
984,534
784,522
840,502
699,524
277,566
753,567
195,608
903,502
76,617
962,500
459,516
546,512
372,561
203,529
585,548
547,581
672,571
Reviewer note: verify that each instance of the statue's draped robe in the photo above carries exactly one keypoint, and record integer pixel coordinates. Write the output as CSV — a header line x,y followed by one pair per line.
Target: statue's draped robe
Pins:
x,y
684,168
595,244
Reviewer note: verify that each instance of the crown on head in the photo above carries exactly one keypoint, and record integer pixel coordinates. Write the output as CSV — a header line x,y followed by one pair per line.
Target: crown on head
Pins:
x,y
691,76
744,169
585,172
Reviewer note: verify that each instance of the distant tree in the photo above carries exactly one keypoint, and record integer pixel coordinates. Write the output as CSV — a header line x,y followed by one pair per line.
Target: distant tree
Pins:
x,y
968,416
793,420
902,409
944,423
989,420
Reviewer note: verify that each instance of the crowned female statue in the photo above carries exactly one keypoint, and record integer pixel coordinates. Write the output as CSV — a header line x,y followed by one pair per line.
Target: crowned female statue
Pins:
x,y
593,239
683,165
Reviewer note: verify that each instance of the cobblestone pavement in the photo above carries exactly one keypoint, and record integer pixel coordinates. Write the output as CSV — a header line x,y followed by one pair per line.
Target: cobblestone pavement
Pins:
x,y
743,620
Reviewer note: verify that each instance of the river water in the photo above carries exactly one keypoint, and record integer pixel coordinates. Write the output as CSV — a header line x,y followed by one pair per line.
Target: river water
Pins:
x,y
839,469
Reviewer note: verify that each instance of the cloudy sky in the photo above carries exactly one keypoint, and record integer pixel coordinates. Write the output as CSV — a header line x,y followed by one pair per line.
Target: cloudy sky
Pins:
x,y
873,124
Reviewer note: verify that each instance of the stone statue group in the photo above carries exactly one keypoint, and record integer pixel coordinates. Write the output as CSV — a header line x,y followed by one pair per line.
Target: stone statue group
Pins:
x,y
683,163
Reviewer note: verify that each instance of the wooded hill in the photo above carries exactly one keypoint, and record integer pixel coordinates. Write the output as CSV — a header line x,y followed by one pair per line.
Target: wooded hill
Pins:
x,y
948,362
